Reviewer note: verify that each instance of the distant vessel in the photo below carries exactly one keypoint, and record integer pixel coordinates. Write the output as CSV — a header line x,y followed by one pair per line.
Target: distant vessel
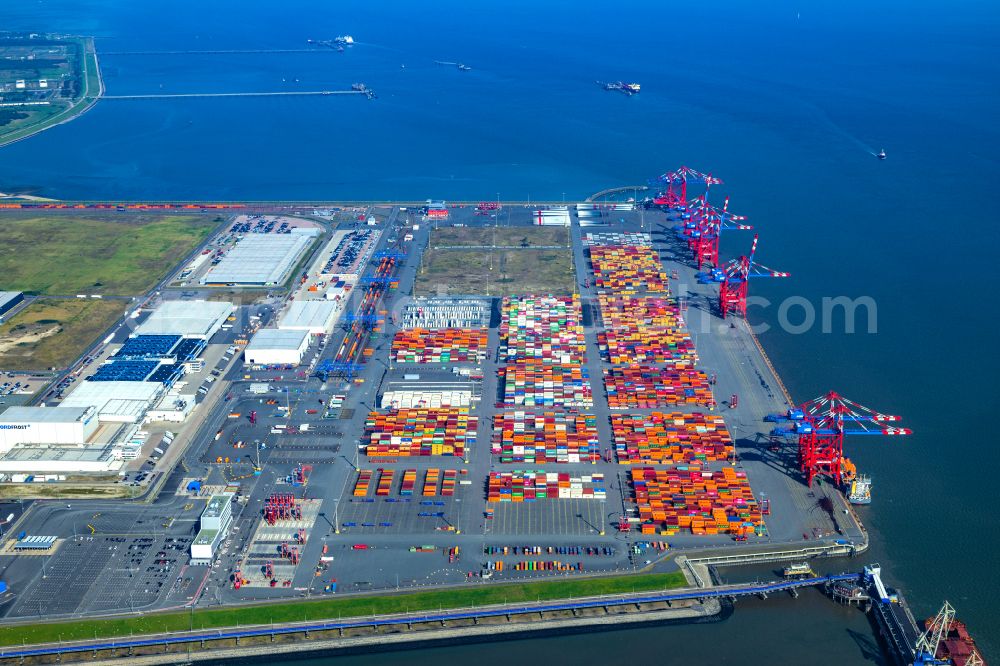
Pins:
x,y
628,88
362,88
861,490
802,570
337,43
461,66
881,154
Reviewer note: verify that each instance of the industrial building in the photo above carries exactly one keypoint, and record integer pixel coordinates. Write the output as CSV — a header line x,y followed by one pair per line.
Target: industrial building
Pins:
x,y
173,407
419,393
316,317
189,319
9,300
32,459
445,312
261,260
46,425
115,401
273,346
216,520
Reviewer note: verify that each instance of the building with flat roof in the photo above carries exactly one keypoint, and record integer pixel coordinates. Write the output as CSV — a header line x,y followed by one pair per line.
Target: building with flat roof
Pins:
x,y
173,407
261,260
9,300
316,317
273,346
115,401
193,319
38,459
47,425
216,520
447,312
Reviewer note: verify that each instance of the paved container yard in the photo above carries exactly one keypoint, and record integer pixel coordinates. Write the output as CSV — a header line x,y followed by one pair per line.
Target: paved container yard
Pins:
x,y
111,558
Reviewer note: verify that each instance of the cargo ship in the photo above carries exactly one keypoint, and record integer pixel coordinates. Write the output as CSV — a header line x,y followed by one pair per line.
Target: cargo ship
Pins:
x,y
628,88
861,490
955,646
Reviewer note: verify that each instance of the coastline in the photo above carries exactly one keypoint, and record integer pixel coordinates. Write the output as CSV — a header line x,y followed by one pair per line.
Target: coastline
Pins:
x,y
85,104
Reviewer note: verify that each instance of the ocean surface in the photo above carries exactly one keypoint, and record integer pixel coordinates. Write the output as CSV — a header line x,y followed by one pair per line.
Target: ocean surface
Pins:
x,y
787,102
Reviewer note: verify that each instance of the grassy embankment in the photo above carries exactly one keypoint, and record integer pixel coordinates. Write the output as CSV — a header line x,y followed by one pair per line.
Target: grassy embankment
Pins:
x,y
333,608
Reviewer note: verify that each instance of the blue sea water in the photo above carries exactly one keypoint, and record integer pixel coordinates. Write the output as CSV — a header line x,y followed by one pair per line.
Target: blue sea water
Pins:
x,y
785,101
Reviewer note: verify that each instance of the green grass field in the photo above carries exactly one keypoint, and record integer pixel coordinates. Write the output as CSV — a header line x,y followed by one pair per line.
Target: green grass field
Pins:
x,y
521,267
121,255
332,608
51,333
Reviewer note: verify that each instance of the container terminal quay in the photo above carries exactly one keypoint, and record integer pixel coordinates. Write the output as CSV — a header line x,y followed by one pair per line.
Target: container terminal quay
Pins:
x,y
330,402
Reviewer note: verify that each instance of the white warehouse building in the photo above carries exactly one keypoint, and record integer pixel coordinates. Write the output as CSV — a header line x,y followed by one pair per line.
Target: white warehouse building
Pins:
x,y
189,319
273,346
262,259
316,317
46,425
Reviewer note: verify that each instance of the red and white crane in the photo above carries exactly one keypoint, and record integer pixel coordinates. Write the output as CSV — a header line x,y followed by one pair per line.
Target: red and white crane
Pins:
x,y
735,283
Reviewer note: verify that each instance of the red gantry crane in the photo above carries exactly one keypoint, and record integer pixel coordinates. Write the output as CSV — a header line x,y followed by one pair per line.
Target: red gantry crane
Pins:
x,y
820,426
675,185
705,228
735,282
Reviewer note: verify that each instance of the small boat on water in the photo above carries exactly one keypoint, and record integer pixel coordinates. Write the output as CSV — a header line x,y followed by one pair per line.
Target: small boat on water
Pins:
x,y
801,570
881,154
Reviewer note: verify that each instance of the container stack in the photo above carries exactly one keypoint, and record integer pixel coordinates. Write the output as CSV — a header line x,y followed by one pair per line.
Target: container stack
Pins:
x,y
649,387
362,485
528,486
409,481
420,432
617,238
670,438
385,483
431,482
549,437
544,328
543,344
644,329
448,483
628,269
539,385
443,345
687,498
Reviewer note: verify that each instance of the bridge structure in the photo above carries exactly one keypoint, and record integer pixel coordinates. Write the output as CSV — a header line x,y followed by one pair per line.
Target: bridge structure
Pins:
x,y
282,93
616,190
